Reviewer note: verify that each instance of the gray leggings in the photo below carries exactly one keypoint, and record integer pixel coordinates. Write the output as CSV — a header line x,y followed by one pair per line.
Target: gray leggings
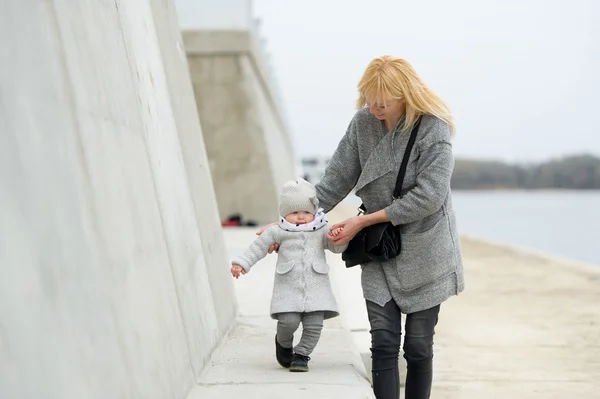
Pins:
x,y
312,324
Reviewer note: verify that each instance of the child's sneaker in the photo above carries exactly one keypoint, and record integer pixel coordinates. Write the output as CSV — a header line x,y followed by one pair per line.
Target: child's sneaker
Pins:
x,y
284,355
299,363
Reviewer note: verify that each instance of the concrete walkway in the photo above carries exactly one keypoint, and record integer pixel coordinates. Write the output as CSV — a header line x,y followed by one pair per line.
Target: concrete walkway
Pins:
x,y
527,326
244,366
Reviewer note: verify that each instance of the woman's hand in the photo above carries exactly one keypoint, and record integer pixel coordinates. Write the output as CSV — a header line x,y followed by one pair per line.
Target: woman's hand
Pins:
x,y
350,227
274,247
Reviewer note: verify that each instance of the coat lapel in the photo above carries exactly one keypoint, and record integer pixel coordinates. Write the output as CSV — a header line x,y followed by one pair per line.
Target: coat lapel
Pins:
x,y
379,163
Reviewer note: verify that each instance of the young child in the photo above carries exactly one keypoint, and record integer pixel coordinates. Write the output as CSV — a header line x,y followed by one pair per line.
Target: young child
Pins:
x,y
302,291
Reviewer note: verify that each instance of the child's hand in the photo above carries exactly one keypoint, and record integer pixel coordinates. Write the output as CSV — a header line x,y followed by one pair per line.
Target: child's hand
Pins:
x,y
236,270
335,232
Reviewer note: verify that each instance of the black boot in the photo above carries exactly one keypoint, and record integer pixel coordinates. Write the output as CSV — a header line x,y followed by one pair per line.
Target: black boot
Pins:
x,y
299,363
283,355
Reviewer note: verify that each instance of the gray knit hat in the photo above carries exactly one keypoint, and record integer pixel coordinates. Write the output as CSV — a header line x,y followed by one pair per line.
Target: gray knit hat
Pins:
x,y
298,195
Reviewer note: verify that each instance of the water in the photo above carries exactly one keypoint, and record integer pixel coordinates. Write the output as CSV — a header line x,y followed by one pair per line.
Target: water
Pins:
x,y
563,223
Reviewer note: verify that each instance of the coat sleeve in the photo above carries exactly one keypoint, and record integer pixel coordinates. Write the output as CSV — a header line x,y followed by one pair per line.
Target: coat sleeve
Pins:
x,y
342,171
434,170
258,249
329,245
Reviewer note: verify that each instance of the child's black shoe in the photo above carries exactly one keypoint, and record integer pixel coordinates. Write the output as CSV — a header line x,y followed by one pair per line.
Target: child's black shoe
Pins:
x,y
284,355
299,363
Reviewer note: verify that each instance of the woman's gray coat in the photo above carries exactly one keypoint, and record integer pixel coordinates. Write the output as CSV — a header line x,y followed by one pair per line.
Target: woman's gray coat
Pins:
x,y
429,269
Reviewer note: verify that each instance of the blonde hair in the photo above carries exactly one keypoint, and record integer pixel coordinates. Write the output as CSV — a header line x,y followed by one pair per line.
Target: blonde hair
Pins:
x,y
392,78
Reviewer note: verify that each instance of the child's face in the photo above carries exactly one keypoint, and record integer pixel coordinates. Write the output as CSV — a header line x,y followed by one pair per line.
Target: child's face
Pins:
x,y
300,217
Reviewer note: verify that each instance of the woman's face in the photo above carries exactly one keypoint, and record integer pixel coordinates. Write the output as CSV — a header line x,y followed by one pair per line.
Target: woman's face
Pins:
x,y
388,110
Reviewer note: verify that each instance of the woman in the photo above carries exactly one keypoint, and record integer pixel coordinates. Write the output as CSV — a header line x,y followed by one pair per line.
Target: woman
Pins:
x,y
429,269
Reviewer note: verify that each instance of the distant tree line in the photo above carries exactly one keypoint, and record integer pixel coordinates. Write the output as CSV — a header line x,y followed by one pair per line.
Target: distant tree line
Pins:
x,y
572,172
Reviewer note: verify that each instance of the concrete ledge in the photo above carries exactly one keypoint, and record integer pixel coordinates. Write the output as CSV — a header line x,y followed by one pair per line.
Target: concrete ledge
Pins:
x,y
236,42
245,364
237,103
212,42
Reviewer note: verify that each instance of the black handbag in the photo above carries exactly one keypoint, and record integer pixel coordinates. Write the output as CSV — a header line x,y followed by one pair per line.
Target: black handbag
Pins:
x,y
381,241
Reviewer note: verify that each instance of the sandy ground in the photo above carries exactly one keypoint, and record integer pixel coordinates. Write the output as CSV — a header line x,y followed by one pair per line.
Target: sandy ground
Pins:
x,y
526,326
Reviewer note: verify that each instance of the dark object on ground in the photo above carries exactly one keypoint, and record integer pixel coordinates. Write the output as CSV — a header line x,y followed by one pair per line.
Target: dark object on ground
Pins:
x,y
236,220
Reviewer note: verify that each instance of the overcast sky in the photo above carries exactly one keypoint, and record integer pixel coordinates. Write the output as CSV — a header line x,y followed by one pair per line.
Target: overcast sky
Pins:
x,y
521,76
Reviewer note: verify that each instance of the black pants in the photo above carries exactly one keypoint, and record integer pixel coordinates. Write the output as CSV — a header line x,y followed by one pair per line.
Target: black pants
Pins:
x,y
386,330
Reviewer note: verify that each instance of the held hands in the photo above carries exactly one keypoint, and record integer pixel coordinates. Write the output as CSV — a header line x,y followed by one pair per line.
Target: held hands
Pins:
x,y
339,234
334,232
237,270
342,233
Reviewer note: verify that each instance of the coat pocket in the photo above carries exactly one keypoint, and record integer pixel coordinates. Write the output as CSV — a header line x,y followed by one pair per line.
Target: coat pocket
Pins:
x,y
426,257
284,267
320,267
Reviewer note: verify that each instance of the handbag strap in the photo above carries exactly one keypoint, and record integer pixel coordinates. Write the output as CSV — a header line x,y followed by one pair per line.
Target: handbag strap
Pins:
x,y
409,146
403,166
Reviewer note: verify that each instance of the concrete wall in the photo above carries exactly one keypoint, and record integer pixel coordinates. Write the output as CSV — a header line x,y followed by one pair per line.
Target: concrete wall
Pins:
x,y
113,275
247,138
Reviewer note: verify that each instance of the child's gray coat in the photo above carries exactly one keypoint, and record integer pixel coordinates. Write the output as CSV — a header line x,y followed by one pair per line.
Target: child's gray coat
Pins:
x,y
302,273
